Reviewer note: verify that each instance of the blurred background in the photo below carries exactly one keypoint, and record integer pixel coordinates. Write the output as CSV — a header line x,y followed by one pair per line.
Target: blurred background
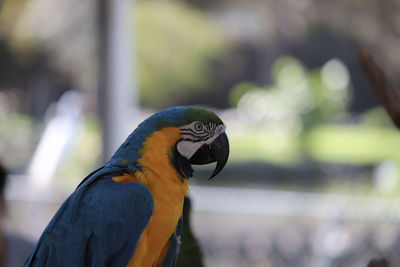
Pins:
x,y
313,177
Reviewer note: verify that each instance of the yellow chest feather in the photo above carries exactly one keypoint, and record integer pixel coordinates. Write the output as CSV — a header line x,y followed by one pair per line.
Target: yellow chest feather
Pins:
x,y
168,190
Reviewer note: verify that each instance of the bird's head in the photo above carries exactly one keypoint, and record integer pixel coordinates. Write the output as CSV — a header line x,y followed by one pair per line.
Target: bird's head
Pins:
x,y
202,140
196,137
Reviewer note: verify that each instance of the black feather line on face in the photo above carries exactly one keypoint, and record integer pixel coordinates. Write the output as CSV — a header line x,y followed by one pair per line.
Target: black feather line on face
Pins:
x,y
205,138
181,164
195,135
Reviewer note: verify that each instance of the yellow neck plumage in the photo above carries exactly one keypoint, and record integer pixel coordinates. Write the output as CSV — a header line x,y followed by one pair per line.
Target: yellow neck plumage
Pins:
x,y
168,190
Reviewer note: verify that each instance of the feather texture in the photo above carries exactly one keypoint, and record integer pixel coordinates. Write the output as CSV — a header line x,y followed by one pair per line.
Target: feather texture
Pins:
x,y
99,228
128,212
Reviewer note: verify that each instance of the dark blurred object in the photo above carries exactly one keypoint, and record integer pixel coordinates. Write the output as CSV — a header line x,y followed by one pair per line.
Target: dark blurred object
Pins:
x,y
3,177
190,252
383,87
389,98
13,249
378,263
31,79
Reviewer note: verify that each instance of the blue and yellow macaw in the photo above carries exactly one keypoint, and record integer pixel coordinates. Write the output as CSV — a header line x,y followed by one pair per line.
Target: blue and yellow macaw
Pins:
x,y
129,212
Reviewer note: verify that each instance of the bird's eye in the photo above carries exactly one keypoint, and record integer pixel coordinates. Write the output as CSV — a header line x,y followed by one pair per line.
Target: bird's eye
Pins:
x,y
198,126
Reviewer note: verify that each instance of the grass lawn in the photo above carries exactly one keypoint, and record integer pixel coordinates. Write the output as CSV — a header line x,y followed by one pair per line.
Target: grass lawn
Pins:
x,y
349,144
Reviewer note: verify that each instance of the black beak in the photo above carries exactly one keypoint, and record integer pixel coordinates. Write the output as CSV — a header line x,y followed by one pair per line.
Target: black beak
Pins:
x,y
217,151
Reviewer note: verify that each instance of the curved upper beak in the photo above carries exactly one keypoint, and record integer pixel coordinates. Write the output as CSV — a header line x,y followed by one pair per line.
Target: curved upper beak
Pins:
x,y
217,151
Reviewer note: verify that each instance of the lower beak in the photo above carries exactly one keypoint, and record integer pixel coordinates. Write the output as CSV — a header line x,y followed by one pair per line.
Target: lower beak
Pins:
x,y
217,151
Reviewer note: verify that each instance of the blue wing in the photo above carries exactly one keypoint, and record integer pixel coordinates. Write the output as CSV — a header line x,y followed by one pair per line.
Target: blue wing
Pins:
x,y
100,224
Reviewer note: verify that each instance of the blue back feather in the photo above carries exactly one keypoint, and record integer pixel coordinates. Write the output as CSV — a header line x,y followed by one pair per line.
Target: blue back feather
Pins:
x,y
101,227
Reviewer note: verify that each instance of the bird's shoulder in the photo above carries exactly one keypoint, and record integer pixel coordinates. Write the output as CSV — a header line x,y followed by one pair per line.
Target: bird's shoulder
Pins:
x,y
101,216
107,196
102,201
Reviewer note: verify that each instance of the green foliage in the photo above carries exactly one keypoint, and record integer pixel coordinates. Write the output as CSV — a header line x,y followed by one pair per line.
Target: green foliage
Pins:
x,y
356,144
287,71
298,99
292,117
350,144
238,91
15,140
257,144
376,117
175,49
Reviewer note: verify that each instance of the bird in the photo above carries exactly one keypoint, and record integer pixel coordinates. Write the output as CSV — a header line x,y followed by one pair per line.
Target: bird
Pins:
x,y
129,211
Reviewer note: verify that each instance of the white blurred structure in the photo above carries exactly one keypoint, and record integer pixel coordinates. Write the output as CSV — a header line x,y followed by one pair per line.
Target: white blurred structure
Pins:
x,y
60,130
294,204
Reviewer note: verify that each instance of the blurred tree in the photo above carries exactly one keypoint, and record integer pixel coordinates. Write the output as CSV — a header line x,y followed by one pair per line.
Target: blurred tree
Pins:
x,y
314,31
298,99
16,141
65,33
187,38
26,69
176,48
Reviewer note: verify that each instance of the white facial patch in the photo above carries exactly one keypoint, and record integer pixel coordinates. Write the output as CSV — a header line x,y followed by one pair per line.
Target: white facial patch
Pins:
x,y
193,139
188,148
